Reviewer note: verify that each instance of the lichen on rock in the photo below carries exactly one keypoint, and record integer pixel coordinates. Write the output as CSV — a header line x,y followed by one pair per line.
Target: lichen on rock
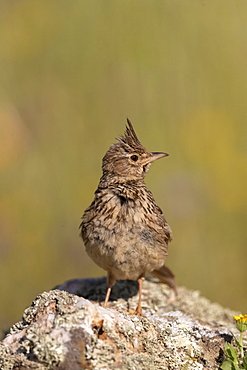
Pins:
x,y
62,330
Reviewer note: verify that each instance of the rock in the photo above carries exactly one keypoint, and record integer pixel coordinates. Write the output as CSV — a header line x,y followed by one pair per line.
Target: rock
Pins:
x,y
62,330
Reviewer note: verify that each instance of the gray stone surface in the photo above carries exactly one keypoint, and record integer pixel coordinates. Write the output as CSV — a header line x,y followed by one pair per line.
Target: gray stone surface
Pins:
x,y
62,330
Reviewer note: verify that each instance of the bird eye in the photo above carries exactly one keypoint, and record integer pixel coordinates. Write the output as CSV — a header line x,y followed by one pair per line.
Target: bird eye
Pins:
x,y
134,157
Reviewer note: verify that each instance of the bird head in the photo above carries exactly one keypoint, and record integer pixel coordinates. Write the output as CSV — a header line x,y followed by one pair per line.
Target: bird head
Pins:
x,y
128,158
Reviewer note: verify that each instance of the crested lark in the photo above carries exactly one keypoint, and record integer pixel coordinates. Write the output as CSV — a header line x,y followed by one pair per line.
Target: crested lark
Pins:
x,y
124,231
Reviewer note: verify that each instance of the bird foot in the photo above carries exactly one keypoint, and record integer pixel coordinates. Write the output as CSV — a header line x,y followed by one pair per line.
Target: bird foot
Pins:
x,y
136,312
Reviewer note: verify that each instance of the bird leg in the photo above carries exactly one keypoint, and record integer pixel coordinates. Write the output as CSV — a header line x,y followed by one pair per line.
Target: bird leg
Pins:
x,y
139,306
107,296
110,281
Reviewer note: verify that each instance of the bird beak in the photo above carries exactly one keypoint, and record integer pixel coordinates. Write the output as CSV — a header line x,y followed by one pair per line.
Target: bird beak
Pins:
x,y
154,156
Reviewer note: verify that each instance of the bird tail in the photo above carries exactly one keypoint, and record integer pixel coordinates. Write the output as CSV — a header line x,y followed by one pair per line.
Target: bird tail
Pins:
x,y
166,276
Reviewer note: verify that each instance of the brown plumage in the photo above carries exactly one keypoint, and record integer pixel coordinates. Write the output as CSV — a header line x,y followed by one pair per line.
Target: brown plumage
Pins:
x,y
124,231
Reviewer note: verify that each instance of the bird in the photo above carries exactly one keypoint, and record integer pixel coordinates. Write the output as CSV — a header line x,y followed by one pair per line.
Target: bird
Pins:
x,y
124,230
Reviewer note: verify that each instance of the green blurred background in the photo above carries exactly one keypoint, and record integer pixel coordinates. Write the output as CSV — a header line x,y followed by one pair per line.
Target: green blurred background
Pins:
x,y
71,72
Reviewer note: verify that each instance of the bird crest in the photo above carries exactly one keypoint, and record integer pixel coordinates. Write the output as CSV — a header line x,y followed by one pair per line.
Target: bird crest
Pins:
x,y
130,138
